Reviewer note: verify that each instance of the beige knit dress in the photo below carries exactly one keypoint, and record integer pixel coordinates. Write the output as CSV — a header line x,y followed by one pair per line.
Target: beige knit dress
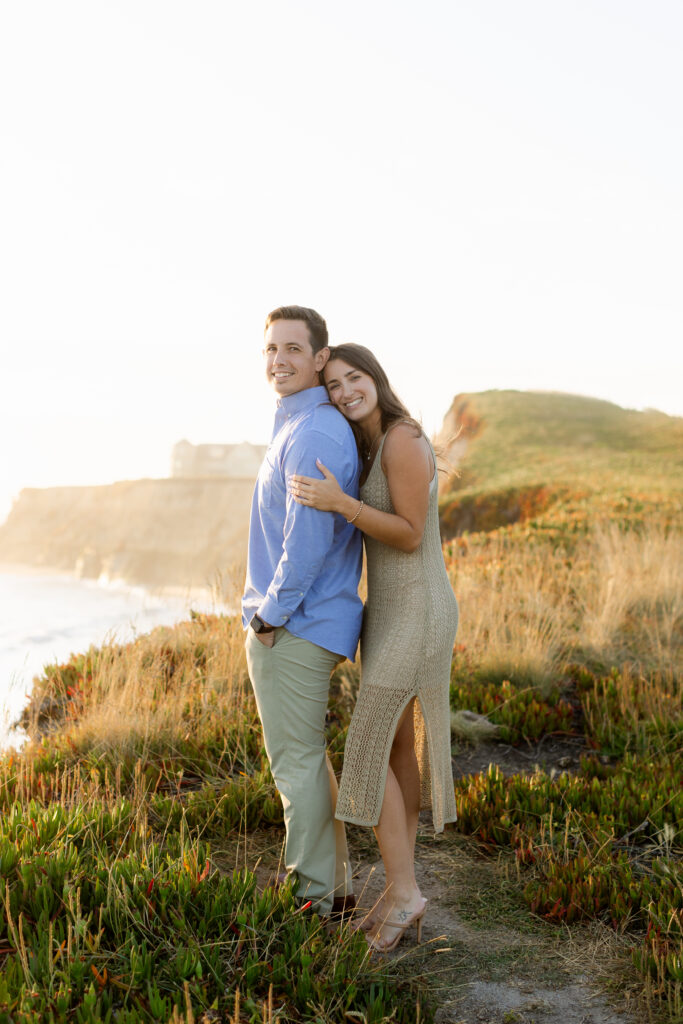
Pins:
x,y
409,627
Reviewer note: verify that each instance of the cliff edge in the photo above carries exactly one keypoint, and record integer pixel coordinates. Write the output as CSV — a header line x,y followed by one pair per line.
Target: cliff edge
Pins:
x,y
154,532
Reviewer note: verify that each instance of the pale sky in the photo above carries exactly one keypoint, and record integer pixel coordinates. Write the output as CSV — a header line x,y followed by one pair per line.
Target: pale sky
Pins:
x,y
487,193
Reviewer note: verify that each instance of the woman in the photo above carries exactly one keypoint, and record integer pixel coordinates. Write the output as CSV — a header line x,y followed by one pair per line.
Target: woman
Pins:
x,y
398,754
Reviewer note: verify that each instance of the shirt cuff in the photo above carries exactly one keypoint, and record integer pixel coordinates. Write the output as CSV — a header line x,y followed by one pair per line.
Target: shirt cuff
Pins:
x,y
271,613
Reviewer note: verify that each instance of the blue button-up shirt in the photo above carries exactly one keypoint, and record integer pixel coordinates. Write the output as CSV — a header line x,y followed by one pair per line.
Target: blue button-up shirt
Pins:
x,y
303,565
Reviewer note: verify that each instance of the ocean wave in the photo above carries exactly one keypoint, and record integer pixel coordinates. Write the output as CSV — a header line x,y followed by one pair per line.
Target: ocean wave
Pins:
x,y
46,618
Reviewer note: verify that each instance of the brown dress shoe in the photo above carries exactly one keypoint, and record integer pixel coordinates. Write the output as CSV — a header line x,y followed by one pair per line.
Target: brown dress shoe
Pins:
x,y
342,906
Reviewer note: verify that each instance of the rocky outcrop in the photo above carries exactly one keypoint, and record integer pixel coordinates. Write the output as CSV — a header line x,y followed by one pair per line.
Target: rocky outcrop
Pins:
x,y
461,425
153,532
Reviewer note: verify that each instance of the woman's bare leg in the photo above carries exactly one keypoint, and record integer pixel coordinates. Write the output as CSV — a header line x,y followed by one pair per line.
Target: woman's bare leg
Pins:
x,y
403,762
396,833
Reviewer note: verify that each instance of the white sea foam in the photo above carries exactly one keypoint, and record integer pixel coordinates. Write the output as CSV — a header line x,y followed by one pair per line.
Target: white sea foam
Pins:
x,y
46,616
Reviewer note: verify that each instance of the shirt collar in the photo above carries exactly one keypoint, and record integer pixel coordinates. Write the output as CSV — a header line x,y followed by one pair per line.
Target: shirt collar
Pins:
x,y
300,400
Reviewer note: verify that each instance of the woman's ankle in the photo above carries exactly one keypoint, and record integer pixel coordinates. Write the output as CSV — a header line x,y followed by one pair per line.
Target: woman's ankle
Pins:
x,y
402,895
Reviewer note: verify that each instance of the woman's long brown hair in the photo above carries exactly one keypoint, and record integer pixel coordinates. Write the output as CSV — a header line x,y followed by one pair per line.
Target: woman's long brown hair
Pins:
x,y
391,407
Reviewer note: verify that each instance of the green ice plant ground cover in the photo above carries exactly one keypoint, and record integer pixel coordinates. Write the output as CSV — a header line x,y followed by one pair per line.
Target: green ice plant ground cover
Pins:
x,y
116,905
106,920
113,906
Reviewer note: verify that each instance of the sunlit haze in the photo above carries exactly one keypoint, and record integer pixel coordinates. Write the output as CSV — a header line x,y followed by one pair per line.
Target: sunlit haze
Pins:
x,y
487,194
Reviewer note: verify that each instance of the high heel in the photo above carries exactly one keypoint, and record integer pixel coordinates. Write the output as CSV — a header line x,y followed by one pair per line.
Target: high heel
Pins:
x,y
415,919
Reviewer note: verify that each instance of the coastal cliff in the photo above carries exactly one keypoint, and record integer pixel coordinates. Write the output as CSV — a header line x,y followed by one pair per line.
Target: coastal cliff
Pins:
x,y
154,532
506,457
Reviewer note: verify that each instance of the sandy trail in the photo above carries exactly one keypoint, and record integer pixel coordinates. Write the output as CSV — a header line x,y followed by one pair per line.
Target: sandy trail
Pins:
x,y
489,960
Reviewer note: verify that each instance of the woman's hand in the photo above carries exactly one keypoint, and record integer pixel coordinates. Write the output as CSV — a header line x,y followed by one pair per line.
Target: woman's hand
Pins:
x,y
326,495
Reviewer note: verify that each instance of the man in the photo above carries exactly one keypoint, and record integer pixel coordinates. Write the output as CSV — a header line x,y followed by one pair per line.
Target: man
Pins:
x,y
300,607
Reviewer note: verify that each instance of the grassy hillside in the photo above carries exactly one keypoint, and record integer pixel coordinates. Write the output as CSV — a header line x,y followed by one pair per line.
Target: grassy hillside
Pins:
x,y
138,847
521,454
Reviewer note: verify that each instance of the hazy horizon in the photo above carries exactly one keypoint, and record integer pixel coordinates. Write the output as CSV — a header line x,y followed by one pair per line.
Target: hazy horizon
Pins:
x,y
488,196
4,512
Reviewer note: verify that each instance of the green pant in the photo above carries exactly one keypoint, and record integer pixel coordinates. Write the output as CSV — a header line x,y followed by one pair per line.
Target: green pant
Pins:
x,y
291,682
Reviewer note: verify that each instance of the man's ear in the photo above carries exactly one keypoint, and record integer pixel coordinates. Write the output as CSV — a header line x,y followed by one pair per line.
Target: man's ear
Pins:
x,y
321,358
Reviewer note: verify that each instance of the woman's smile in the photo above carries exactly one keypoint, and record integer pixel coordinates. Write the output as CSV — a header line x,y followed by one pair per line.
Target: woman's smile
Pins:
x,y
352,403
352,391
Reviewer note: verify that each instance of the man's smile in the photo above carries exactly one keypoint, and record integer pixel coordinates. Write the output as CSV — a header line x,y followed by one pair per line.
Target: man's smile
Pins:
x,y
291,363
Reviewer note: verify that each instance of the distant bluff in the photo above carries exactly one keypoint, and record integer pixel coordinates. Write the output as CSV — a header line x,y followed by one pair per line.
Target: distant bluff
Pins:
x,y
153,532
510,456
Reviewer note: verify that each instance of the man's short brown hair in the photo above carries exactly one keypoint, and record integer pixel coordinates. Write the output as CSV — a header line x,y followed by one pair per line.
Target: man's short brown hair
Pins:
x,y
317,328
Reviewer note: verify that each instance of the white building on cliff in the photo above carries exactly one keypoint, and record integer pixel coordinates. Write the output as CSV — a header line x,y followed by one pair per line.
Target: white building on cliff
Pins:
x,y
226,460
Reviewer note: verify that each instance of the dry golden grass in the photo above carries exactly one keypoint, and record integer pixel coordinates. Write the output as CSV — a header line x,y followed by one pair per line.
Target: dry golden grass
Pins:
x,y
618,599
514,610
632,604
526,609
173,685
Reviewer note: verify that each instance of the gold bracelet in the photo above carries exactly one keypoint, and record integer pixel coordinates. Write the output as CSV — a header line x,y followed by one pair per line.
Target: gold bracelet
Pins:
x,y
360,509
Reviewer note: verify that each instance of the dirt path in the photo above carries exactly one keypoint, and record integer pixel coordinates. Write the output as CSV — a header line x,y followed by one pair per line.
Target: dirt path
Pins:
x,y
485,958
489,961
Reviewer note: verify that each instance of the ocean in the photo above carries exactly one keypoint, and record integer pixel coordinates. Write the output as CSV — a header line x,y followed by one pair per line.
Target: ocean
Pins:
x,y
46,617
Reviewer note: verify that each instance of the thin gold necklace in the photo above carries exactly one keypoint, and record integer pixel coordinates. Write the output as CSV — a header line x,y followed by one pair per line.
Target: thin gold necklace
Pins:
x,y
372,447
